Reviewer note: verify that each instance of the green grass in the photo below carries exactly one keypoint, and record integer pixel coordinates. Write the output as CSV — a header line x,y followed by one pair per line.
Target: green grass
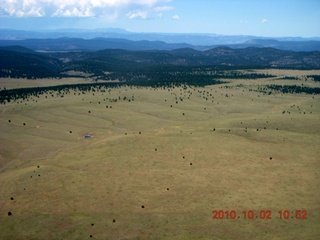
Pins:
x,y
110,176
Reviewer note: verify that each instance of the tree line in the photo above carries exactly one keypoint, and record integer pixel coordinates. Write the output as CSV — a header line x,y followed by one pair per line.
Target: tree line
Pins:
x,y
292,89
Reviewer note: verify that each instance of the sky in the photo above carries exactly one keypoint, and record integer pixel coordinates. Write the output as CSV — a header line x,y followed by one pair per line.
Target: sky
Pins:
x,y
268,18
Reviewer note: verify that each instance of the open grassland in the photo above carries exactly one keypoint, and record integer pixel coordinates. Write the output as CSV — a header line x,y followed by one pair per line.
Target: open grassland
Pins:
x,y
12,83
159,161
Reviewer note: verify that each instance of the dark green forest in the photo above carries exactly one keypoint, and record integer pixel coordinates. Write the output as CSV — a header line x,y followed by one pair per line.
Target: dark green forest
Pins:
x,y
153,65
316,78
292,89
28,65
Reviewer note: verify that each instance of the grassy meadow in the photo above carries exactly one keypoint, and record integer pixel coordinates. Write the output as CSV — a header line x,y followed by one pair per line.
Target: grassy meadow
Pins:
x,y
160,161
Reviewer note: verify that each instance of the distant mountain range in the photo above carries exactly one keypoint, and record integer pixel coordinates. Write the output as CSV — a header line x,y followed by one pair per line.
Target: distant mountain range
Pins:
x,y
79,44
99,39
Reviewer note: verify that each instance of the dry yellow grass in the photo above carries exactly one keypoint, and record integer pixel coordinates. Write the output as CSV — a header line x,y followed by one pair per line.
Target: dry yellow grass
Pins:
x,y
140,154
11,83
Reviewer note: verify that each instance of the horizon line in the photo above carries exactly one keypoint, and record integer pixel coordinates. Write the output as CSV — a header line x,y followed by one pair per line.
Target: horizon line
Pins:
x,y
166,33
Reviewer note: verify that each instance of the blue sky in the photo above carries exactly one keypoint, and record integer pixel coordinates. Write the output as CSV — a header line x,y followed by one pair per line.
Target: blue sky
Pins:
x,y
269,18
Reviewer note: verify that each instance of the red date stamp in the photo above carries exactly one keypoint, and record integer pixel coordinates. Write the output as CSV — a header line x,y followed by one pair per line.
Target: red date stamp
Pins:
x,y
262,214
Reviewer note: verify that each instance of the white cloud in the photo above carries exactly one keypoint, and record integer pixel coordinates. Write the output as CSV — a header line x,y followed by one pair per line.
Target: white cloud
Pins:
x,y
32,12
147,13
75,12
137,14
80,8
175,17
264,21
163,8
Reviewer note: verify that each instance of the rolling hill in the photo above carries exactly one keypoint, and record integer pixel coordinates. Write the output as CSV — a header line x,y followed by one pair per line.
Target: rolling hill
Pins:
x,y
17,61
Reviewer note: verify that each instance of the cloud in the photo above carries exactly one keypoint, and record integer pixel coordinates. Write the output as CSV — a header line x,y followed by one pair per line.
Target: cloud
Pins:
x,y
163,8
147,12
81,8
32,12
137,14
75,12
264,21
175,17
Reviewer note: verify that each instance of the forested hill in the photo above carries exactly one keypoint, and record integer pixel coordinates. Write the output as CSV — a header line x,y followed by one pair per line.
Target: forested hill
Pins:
x,y
16,61
19,62
220,56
